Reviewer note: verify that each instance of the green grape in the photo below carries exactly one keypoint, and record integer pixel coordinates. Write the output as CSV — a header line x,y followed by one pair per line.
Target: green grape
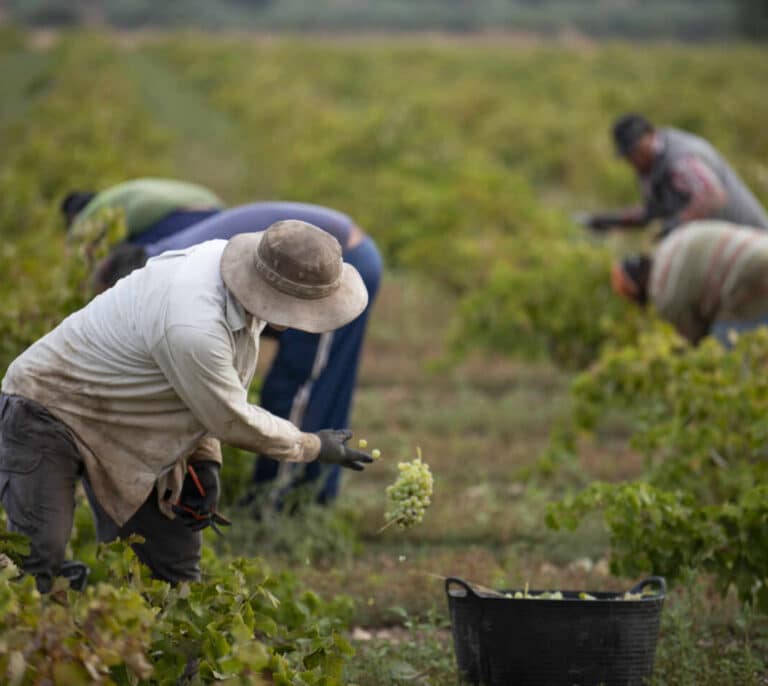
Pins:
x,y
558,595
410,496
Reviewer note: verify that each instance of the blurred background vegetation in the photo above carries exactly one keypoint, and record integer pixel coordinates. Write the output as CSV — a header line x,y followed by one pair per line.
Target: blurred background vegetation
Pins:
x,y
687,19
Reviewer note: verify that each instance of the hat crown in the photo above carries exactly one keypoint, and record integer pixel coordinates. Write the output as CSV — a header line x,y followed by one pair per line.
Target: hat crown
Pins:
x,y
299,259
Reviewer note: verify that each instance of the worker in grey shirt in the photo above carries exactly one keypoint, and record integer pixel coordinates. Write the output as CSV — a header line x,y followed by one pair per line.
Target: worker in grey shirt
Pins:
x,y
135,391
682,178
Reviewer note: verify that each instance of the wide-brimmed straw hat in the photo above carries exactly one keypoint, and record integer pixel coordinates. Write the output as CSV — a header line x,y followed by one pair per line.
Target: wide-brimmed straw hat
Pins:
x,y
293,275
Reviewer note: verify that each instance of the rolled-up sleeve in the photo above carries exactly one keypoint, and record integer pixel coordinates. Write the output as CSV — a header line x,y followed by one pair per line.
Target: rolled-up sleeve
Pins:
x,y
199,364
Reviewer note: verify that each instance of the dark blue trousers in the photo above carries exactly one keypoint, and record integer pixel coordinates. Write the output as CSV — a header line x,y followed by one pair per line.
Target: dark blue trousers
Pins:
x,y
722,330
312,381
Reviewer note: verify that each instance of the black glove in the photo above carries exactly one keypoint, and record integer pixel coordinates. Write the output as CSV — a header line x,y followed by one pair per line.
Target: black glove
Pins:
x,y
600,222
333,450
200,496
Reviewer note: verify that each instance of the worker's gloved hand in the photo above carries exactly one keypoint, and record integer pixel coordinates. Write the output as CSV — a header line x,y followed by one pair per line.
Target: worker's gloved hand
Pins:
x,y
333,450
200,496
600,222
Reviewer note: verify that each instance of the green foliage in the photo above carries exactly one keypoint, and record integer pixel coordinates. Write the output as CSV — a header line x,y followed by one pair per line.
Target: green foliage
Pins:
x,y
691,622
91,141
699,419
239,624
552,300
423,655
11,40
698,412
13,546
469,173
305,534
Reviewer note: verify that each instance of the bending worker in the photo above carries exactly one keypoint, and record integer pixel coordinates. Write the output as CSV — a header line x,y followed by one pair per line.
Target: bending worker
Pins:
x,y
682,178
134,392
313,376
152,208
707,278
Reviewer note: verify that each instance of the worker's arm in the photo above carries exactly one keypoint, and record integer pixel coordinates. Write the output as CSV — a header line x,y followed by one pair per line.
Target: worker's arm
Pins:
x,y
199,365
628,218
695,180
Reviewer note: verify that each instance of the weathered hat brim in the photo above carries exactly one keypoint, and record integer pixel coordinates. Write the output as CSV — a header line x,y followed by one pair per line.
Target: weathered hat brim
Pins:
x,y
264,301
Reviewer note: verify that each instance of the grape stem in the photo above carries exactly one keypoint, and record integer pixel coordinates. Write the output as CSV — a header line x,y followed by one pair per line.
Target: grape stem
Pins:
x,y
388,524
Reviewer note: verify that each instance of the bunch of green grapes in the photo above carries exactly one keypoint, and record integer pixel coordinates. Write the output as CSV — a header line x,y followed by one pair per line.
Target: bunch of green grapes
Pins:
x,y
410,496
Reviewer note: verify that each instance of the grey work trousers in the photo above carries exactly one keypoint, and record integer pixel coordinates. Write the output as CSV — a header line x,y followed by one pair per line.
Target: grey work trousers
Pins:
x,y
40,466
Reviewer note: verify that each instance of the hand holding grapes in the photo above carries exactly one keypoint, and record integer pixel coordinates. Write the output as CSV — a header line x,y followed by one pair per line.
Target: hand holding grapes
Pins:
x,y
334,451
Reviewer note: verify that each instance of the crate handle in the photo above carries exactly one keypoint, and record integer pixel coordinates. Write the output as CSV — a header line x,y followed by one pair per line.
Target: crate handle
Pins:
x,y
459,582
659,581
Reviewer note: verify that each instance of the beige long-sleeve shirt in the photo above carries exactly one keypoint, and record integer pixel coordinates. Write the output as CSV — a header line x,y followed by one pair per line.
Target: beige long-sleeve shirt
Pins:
x,y
153,372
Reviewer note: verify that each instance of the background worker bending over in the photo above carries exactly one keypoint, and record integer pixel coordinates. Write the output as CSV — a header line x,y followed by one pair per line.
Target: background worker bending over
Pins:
x,y
707,278
152,208
682,178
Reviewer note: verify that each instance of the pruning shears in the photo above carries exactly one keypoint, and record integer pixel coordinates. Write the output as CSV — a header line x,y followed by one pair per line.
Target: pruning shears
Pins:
x,y
212,517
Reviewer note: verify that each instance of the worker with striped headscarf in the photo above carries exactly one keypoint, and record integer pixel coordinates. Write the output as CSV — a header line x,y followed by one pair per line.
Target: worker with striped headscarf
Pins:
x,y
706,278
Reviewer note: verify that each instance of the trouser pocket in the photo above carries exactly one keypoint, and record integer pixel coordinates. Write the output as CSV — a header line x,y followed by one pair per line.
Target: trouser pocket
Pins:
x,y
27,432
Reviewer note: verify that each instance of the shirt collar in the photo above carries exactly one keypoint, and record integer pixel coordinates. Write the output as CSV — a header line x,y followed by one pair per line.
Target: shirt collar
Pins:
x,y
237,317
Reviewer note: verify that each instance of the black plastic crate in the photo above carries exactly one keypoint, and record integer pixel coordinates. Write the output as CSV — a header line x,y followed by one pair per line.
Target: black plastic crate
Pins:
x,y
607,641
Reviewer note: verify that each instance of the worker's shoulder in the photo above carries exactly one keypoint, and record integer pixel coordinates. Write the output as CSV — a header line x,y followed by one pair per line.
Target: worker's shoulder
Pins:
x,y
195,290
684,143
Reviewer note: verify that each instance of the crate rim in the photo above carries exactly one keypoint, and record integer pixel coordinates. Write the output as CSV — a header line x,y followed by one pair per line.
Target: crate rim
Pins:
x,y
613,596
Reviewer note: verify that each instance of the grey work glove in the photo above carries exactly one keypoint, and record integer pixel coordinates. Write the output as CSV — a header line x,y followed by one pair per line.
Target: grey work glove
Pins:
x,y
333,450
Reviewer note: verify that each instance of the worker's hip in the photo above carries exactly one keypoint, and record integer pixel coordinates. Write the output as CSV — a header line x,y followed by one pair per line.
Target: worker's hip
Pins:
x,y
365,257
28,433
39,468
